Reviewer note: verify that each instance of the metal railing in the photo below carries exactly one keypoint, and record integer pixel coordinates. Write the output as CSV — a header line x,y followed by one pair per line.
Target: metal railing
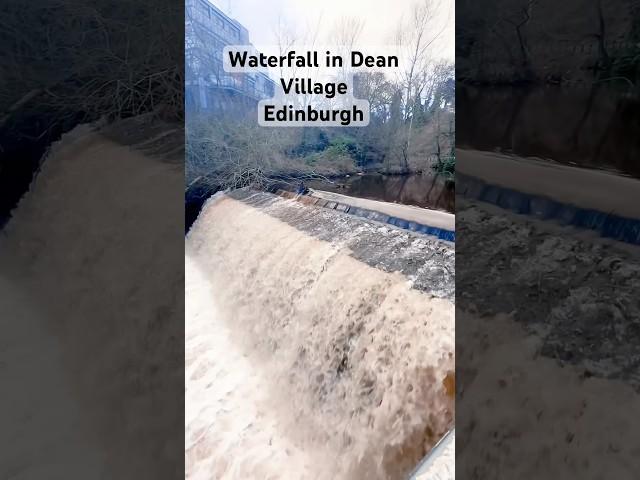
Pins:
x,y
439,463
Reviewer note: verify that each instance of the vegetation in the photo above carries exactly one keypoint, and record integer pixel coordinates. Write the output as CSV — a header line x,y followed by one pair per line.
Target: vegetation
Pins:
x,y
538,41
68,62
232,153
411,128
83,62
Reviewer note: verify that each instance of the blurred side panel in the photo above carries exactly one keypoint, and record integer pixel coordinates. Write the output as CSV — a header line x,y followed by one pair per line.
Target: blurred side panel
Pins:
x,y
548,239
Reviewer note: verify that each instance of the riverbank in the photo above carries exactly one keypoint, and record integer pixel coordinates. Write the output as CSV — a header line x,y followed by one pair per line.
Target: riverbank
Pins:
x,y
427,190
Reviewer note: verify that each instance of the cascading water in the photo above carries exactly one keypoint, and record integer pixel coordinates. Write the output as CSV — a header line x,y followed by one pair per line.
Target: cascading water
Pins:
x,y
302,361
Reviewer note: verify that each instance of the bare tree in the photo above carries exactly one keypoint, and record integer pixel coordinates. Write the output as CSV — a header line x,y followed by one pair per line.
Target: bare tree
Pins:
x,y
411,114
604,59
416,37
517,20
85,60
288,38
226,153
345,35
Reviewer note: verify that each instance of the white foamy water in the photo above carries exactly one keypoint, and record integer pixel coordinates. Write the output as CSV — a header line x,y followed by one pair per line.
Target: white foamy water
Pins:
x,y
89,359
230,432
43,432
303,362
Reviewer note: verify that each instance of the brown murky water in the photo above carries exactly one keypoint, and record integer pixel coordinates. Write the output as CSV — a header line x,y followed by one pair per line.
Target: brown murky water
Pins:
x,y
594,127
296,371
423,190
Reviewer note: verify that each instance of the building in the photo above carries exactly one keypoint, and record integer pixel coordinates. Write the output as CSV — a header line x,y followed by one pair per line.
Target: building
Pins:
x,y
208,87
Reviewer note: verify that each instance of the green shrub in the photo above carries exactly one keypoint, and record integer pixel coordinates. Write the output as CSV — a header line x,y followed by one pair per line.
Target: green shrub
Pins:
x,y
446,164
345,146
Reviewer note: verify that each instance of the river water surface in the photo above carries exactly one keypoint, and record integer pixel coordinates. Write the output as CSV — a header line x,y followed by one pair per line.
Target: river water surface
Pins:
x,y
427,190
590,127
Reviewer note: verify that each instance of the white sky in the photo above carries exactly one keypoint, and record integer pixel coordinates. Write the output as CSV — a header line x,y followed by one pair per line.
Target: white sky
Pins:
x,y
380,19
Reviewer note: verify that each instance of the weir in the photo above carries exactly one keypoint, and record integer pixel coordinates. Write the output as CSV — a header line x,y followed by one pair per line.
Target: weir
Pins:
x,y
79,308
605,203
317,341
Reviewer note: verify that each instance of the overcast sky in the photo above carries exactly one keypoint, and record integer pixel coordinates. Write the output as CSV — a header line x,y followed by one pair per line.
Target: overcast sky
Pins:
x,y
380,18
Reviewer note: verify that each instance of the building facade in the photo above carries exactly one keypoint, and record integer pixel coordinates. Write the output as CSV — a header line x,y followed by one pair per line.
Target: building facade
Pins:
x,y
208,88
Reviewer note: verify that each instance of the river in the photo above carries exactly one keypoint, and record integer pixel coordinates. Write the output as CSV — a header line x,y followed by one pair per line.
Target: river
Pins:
x,y
591,127
428,190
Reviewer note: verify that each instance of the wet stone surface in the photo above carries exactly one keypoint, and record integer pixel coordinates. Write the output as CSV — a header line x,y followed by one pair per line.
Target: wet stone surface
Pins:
x,y
427,262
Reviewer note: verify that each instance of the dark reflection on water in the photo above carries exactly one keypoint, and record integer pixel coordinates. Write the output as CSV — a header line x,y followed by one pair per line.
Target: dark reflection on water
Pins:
x,y
596,127
422,190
